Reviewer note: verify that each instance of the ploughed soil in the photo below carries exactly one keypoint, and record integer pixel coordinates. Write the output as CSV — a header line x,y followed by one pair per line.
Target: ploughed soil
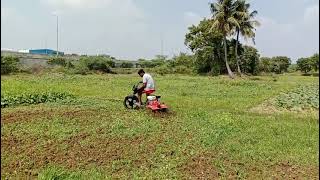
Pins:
x,y
25,155
79,151
202,166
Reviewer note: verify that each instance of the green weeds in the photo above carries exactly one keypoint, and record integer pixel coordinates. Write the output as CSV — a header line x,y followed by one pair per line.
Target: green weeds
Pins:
x,y
10,100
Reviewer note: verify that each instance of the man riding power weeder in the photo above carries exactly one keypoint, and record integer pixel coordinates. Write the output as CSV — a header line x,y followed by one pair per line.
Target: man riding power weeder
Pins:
x,y
148,85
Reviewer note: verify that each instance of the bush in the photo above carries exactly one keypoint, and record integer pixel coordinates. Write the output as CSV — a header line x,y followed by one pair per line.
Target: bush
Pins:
x,y
9,64
126,65
164,69
184,60
57,61
80,68
292,68
182,70
95,63
125,70
99,66
69,65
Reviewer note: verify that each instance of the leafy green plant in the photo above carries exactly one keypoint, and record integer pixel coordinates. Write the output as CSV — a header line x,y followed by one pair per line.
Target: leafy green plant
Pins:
x,y
8,100
304,97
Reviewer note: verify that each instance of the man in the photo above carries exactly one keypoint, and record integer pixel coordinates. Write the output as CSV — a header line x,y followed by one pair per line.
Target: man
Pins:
x,y
148,86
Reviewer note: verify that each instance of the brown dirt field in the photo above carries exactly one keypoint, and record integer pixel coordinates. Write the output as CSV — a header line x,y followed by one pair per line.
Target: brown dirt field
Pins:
x,y
202,167
71,153
286,170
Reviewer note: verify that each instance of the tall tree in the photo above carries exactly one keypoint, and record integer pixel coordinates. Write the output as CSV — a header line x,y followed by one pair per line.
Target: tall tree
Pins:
x,y
206,45
223,14
250,58
315,61
246,27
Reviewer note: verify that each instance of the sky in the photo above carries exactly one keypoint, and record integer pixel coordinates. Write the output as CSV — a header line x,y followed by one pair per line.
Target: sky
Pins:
x,y
132,29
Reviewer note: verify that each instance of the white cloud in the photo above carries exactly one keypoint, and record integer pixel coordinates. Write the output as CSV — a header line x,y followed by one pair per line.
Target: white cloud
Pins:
x,y
297,39
78,4
102,26
113,7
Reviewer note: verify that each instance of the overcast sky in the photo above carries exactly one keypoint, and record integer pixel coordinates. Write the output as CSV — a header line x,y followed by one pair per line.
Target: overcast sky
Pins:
x,y
132,29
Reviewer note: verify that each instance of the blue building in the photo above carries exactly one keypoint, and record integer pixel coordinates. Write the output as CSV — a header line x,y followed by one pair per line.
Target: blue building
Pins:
x,y
45,52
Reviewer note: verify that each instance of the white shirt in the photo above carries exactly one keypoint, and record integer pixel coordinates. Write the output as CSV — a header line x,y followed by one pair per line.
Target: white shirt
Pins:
x,y
148,79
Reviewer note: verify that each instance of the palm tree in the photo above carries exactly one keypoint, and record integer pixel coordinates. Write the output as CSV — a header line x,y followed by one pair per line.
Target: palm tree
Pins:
x,y
246,26
223,15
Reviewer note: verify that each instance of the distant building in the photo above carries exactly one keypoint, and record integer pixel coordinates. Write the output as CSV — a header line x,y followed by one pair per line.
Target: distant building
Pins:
x,y
7,49
45,52
23,51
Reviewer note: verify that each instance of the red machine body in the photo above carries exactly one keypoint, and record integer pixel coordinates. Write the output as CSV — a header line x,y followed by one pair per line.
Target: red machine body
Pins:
x,y
155,105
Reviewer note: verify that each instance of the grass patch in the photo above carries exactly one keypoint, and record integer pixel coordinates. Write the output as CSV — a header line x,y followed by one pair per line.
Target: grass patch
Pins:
x,y
209,127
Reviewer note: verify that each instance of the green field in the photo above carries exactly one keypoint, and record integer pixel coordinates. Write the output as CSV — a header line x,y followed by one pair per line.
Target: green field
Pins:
x,y
210,132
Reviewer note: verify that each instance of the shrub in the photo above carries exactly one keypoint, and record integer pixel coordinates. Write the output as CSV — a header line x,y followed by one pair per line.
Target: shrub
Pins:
x,y
57,61
96,64
164,69
79,68
183,60
126,65
125,70
9,64
182,70
69,65
292,68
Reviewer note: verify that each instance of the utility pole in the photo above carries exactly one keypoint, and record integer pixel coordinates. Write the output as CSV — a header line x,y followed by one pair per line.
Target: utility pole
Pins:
x,y
57,36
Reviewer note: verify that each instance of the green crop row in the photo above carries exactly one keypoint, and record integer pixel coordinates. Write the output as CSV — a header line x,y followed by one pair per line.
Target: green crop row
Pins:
x,y
304,97
9,100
